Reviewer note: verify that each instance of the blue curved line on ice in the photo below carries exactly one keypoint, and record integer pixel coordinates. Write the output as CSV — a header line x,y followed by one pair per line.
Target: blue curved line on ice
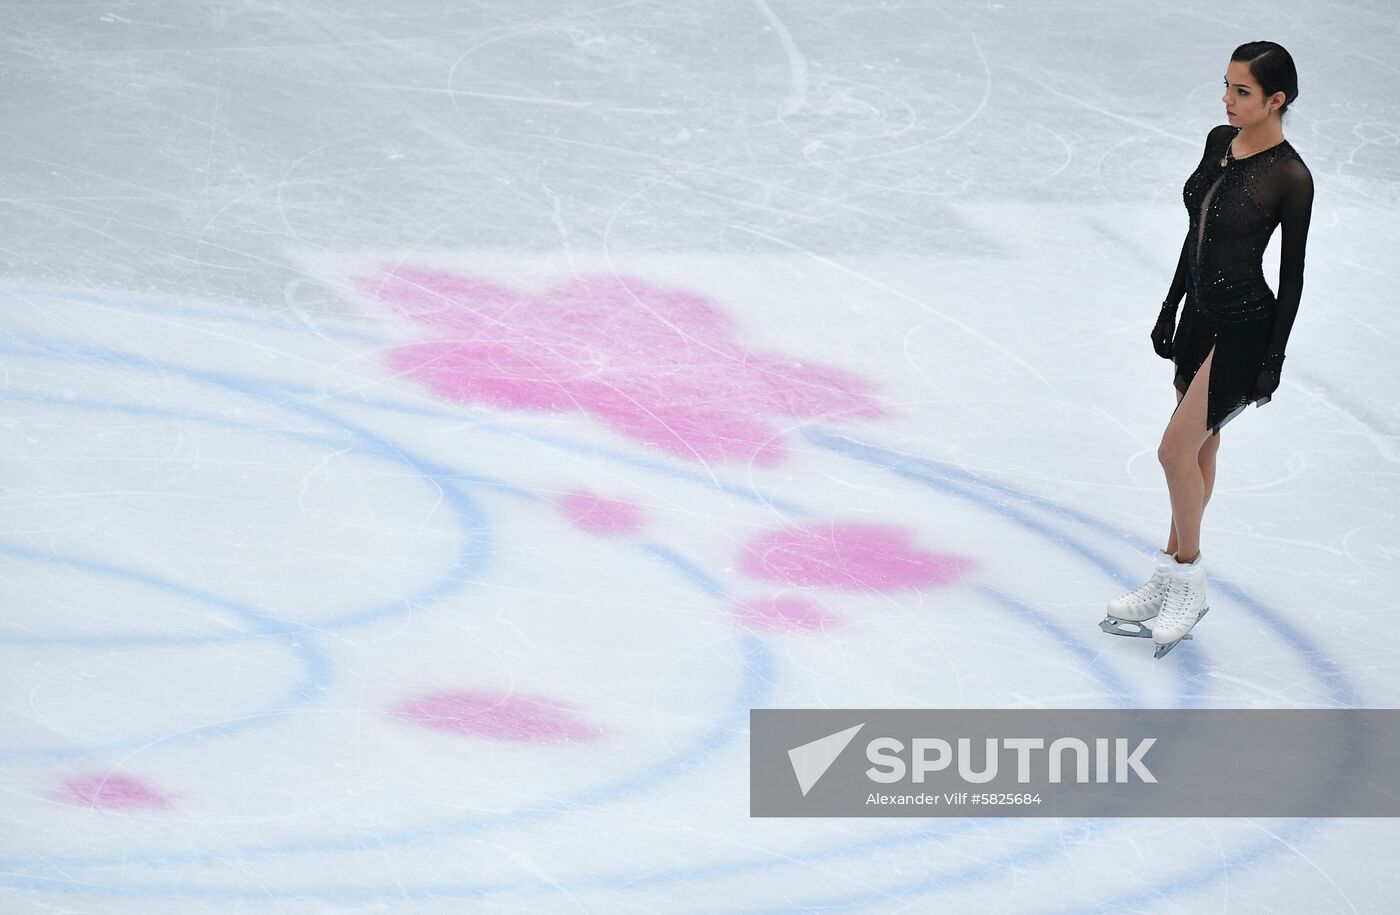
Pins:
x,y
1342,691
38,346
953,479
315,664
463,570
404,837
1123,578
756,659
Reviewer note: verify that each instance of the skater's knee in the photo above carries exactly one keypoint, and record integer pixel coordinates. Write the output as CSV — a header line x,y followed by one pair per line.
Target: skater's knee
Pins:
x,y
1176,455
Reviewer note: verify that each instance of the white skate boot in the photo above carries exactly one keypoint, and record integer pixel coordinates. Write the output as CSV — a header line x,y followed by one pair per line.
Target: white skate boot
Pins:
x,y
1145,602
1183,606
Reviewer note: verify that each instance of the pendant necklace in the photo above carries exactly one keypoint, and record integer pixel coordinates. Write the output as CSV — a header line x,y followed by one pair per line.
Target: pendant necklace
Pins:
x,y
1229,153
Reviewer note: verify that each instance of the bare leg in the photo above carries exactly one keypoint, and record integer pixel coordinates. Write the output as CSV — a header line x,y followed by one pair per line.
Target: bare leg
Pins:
x,y
1180,456
1206,460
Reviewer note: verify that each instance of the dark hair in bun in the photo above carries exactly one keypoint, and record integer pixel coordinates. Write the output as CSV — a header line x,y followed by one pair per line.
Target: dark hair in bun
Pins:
x,y
1272,67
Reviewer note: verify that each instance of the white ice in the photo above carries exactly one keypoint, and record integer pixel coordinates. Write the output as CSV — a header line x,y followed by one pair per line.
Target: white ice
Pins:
x,y
235,537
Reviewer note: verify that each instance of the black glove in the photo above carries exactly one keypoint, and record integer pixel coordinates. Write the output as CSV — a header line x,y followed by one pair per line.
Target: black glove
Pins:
x,y
1162,333
1269,375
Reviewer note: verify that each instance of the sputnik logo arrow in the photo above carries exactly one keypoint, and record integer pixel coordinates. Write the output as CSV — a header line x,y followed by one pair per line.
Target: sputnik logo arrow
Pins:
x,y
811,760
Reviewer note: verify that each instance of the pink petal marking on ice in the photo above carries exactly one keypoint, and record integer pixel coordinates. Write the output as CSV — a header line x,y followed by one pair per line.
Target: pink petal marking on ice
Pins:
x,y
850,557
659,365
785,614
113,792
605,517
496,716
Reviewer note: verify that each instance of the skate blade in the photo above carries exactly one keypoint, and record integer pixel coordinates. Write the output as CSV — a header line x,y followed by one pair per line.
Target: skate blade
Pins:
x,y
1131,628
1162,650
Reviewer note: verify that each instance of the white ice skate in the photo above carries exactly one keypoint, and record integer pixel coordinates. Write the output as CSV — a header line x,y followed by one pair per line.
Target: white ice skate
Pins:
x,y
1127,613
1146,601
1183,606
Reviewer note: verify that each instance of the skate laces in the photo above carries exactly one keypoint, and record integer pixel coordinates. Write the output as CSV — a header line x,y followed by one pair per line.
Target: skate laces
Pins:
x,y
1176,605
1147,593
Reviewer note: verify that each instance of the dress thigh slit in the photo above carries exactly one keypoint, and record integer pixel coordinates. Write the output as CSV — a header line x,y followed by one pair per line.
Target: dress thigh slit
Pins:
x,y
1240,342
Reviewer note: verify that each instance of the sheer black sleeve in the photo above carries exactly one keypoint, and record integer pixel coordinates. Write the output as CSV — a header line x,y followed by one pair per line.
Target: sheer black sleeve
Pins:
x,y
1178,288
1295,203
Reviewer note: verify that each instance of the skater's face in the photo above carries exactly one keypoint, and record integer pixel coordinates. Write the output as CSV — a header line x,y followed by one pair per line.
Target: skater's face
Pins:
x,y
1246,105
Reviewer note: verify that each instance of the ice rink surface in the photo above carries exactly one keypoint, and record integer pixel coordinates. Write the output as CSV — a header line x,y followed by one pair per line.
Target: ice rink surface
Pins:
x,y
430,427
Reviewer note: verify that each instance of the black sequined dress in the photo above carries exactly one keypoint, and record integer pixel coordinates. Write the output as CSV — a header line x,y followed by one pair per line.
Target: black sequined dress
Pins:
x,y
1232,211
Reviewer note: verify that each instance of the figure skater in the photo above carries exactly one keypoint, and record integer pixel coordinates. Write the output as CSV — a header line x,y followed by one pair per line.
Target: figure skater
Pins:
x,y
1229,346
